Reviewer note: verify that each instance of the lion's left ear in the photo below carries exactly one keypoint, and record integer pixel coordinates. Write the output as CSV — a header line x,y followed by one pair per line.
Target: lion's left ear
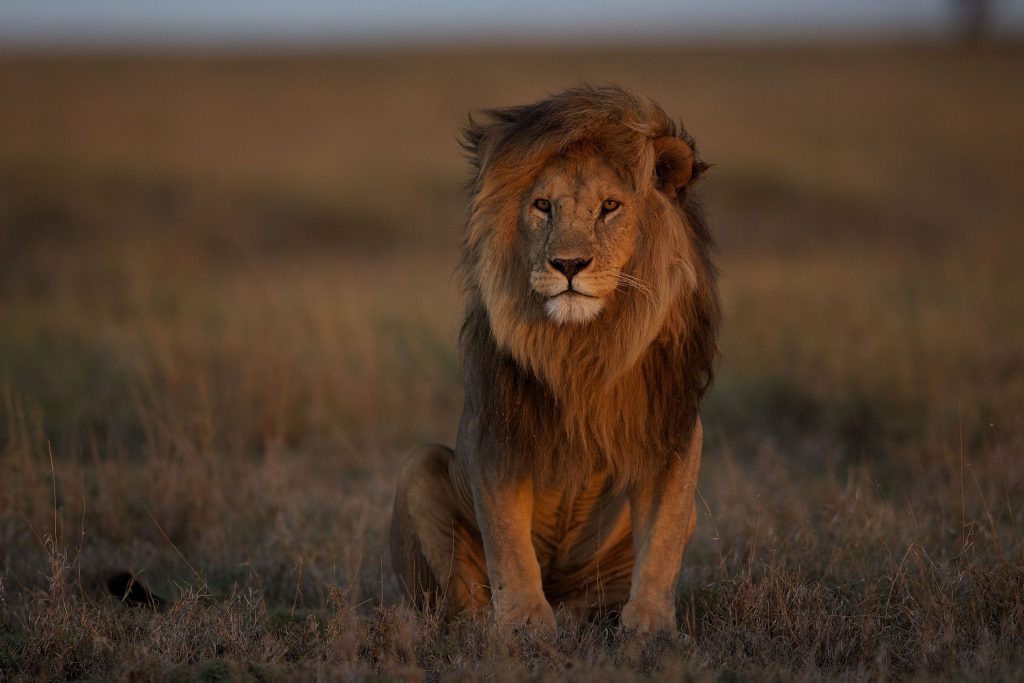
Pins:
x,y
673,164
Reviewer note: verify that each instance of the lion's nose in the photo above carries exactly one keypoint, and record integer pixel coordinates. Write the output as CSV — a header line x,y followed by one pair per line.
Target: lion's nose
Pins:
x,y
569,266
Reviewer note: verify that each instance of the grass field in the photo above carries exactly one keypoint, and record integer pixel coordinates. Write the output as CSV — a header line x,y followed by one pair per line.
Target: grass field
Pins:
x,y
227,311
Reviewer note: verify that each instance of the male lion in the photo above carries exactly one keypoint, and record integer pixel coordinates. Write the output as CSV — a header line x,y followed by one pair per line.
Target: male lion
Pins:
x,y
587,346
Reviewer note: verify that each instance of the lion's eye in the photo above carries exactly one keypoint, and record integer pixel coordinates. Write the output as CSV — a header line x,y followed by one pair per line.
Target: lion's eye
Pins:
x,y
542,205
610,205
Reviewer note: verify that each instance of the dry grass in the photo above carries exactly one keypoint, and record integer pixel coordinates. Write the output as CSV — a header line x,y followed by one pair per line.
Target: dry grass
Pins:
x,y
226,312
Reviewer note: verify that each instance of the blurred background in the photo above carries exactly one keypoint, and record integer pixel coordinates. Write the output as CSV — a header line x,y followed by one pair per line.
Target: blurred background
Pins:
x,y
227,237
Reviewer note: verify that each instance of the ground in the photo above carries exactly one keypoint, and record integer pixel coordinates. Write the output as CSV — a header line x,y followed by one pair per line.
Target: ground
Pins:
x,y
227,312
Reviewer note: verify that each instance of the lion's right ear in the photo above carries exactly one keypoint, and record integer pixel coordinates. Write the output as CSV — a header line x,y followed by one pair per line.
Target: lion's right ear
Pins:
x,y
673,164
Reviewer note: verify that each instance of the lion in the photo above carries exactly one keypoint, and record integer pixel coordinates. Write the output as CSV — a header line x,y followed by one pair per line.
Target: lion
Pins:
x,y
589,336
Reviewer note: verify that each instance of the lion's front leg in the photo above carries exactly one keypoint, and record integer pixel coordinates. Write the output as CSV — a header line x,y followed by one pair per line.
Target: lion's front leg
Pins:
x,y
504,512
664,516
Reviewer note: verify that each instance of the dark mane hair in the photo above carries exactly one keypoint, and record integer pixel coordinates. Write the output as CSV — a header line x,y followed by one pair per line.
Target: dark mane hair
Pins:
x,y
620,395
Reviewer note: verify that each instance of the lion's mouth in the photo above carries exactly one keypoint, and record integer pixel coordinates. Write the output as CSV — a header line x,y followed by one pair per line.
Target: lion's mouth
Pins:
x,y
573,306
571,293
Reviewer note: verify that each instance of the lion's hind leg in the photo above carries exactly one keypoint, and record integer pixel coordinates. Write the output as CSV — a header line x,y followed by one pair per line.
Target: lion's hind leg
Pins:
x,y
436,551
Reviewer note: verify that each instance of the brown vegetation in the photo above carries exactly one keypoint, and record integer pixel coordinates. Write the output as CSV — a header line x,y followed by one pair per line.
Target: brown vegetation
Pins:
x,y
227,312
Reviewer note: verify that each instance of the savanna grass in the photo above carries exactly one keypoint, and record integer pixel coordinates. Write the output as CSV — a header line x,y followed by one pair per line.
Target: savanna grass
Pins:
x,y
219,337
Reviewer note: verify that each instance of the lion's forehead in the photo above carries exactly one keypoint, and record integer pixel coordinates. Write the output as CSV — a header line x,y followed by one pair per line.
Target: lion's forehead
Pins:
x,y
578,179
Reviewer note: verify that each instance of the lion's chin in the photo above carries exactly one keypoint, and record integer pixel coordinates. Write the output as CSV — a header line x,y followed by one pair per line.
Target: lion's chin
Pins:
x,y
572,308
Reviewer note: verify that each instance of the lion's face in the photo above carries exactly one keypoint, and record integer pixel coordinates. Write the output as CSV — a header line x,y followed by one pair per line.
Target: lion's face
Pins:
x,y
579,225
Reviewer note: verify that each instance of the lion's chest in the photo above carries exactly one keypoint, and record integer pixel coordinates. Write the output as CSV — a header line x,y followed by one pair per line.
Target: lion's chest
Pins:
x,y
572,528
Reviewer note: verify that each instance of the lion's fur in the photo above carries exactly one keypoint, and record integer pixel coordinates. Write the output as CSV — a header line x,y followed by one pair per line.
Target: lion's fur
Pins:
x,y
619,395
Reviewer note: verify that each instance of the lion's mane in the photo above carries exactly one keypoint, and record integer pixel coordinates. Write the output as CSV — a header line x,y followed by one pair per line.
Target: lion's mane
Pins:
x,y
621,394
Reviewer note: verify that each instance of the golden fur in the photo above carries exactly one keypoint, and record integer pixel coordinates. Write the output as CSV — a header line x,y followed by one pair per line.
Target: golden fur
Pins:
x,y
587,346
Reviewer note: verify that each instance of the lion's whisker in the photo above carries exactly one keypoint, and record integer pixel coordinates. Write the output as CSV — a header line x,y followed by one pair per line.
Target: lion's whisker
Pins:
x,y
636,283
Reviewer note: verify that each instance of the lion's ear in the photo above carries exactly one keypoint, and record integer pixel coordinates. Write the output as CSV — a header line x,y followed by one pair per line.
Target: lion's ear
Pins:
x,y
673,164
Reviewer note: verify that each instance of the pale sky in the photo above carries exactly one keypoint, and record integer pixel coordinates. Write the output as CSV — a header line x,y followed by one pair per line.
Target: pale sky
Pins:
x,y
298,22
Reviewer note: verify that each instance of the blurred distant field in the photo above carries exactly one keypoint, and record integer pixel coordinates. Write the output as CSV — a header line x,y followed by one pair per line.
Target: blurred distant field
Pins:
x,y
227,311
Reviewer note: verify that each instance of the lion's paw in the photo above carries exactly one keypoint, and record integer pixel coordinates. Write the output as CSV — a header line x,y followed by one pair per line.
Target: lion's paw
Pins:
x,y
643,617
533,613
